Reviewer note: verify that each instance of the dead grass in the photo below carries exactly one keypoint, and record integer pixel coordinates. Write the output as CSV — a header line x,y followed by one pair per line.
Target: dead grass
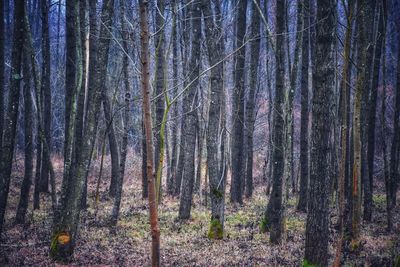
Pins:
x,y
182,243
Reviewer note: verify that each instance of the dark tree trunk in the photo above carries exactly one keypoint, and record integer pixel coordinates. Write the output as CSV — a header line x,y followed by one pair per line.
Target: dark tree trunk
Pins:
x,y
113,144
238,157
373,99
215,52
11,116
2,63
190,101
365,107
302,205
250,105
274,216
174,122
67,223
395,146
44,179
28,161
124,143
317,227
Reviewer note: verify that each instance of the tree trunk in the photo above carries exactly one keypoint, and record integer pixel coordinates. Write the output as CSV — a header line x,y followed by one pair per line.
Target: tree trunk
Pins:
x,y
274,216
11,116
28,161
238,157
190,101
44,179
317,227
373,99
215,52
305,57
344,105
124,145
144,40
357,122
250,105
66,225
2,63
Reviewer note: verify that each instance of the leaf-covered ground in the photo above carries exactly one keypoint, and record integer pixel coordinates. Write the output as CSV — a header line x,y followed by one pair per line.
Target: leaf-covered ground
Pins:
x,y
182,243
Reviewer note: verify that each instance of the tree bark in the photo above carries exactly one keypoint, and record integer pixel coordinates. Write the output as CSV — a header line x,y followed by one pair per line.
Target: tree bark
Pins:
x,y
317,226
28,149
144,41
46,74
11,116
2,80
190,101
305,57
251,102
274,216
238,157
215,49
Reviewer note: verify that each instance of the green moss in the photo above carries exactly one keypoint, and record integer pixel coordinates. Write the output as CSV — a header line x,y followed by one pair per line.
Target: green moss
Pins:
x,y
396,261
264,224
215,231
217,193
307,264
354,244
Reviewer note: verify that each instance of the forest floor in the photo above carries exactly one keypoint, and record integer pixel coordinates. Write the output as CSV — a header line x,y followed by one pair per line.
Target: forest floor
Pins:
x,y
182,243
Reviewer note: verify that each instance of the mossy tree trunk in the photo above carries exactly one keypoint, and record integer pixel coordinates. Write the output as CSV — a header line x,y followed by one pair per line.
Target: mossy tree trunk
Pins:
x,y
213,27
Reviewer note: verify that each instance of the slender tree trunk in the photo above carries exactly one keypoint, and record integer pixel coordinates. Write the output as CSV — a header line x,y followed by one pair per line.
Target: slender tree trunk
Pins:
x,y
373,99
317,227
2,63
238,158
113,144
190,100
274,216
11,116
303,193
215,52
155,230
124,144
251,102
46,74
344,104
357,122
28,161
145,189
365,107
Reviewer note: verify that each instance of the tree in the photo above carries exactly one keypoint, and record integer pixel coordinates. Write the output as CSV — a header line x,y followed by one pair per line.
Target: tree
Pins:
x,y
253,84
274,216
362,43
238,159
159,83
191,117
2,93
304,87
317,226
379,42
28,160
344,106
67,221
144,42
46,89
11,116
212,22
